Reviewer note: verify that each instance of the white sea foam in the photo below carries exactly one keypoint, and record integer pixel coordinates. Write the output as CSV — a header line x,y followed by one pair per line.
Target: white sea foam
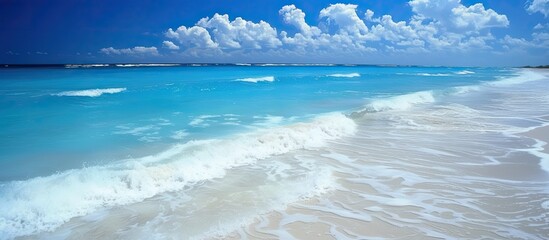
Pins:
x,y
345,75
268,121
202,120
148,65
401,102
465,72
523,77
434,74
44,203
257,79
181,134
90,92
293,64
465,89
85,65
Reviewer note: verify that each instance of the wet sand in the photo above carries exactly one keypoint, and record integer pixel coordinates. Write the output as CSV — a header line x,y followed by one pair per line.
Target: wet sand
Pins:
x,y
542,134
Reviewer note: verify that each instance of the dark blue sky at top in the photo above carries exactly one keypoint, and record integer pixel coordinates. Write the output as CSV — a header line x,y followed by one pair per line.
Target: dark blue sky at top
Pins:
x,y
74,31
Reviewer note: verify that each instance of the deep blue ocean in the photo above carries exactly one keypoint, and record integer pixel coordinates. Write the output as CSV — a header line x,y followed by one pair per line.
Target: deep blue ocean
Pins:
x,y
84,140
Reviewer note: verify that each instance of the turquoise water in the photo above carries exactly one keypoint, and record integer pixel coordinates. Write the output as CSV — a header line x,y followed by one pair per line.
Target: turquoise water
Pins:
x,y
82,142
44,131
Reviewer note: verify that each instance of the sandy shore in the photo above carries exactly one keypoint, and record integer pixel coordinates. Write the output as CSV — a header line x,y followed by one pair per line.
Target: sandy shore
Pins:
x,y
542,134
438,172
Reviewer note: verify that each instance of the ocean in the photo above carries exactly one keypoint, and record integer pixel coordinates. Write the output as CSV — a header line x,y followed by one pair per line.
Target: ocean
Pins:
x,y
272,151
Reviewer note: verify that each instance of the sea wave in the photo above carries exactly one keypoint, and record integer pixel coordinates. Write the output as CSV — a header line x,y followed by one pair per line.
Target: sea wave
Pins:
x,y
90,92
149,65
522,77
294,64
85,65
407,101
464,72
345,75
257,79
44,203
434,74
400,102
465,89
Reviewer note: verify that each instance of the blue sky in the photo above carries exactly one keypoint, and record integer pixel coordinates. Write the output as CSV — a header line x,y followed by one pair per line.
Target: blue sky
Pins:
x,y
414,32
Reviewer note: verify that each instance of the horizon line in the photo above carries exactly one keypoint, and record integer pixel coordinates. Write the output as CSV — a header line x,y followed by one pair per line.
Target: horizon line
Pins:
x,y
198,64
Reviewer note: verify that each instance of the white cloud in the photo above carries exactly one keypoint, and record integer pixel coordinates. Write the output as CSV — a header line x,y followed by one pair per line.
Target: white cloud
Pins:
x,y
139,50
170,45
540,26
240,33
341,30
439,10
452,14
195,36
294,16
435,27
476,17
369,16
395,31
345,19
541,6
540,40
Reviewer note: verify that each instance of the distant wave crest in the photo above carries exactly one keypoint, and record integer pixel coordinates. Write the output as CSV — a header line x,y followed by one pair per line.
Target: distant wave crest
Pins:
x,y
434,74
257,79
86,65
149,65
90,92
523,77
345,75
465,72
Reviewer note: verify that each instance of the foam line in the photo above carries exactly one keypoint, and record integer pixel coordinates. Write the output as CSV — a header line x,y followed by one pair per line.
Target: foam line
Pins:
x,y
345,75
257,79
44,203
90,92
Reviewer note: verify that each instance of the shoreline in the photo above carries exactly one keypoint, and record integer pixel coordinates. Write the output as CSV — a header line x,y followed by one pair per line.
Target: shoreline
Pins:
x,y
421,171
541,134
541,147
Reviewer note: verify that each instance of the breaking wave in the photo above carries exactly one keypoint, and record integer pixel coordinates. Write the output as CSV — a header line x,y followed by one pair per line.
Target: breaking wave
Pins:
x,y
257,79
44,203
90,92
345,75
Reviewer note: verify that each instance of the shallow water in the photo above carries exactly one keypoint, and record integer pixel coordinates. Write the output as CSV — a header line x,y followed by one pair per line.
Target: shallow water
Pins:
x,y
433,162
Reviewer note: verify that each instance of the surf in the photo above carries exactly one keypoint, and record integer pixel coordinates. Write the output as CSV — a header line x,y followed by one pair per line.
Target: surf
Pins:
x,y
90,92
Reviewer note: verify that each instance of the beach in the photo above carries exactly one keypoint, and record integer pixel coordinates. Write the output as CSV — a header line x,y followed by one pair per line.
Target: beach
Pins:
x,y
442,162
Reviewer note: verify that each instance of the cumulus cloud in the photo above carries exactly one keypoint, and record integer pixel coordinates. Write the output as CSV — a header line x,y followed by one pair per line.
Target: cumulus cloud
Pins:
x,y
340,29
343,19
369,16
170,45
240,33
395,31
452,14
295,17
195,36
541,6
540,26
139,50
435,26
477,17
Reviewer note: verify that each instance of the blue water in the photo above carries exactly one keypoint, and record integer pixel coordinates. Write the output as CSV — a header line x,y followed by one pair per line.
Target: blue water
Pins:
x,y
79,144
47,126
